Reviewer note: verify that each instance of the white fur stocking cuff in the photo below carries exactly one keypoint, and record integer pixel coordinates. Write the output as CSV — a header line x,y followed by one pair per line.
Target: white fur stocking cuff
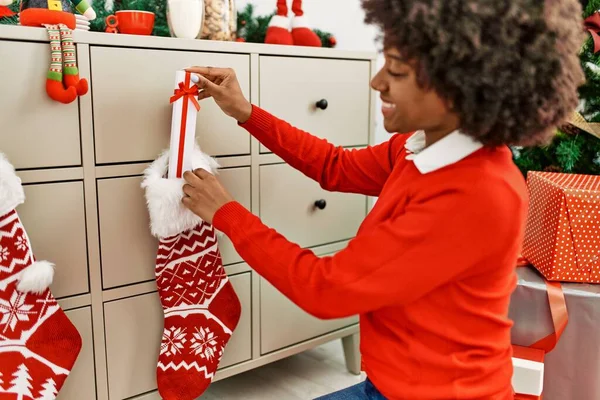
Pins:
x,y
168,215
11,190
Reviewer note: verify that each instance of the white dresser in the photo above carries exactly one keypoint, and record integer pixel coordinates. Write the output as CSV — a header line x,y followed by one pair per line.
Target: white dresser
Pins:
x,y
81,164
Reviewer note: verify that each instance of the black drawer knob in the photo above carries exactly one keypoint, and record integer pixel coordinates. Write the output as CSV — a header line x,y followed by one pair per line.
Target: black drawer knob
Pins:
x,y
322,104
321,204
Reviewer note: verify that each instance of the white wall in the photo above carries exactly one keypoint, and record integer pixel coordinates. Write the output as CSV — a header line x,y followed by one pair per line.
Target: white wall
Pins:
x,y
344,19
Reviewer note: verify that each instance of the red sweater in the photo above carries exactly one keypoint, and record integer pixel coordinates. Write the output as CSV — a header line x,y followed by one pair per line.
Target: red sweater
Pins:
x,y
430,271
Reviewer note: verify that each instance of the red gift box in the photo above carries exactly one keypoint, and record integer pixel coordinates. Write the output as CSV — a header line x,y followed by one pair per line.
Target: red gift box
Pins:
x,y
562,237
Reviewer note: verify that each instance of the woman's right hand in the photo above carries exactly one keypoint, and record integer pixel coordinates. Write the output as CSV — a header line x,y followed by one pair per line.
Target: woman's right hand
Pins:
x,y
222,85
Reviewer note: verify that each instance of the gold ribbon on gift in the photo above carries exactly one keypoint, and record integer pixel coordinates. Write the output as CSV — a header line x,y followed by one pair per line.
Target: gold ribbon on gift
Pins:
x,y
592,128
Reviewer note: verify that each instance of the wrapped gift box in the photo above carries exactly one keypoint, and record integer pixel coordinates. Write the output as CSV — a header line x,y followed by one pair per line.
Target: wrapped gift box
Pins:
x,y
572,368
183,124
562,238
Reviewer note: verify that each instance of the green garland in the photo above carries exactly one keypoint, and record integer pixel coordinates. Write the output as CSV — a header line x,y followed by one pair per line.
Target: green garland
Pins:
x,y
572,150
253,29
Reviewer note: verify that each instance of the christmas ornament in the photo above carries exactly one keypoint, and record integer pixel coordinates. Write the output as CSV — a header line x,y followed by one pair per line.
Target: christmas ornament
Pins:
x,y
38,343
62,83
200,306
279,32
592,24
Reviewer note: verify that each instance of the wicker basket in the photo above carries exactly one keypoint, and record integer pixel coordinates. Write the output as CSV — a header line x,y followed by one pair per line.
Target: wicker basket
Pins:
x,y
590,127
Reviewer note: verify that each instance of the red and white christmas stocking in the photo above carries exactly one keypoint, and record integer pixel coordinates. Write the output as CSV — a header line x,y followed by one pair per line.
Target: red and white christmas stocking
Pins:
x,y
302,35
38,343
278,31
200,306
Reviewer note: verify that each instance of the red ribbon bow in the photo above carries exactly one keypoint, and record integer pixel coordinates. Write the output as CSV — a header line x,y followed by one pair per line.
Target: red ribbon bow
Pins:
x,y
592,23
186,92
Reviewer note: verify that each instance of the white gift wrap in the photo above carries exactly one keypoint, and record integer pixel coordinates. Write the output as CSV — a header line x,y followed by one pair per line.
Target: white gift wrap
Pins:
x,y
182,141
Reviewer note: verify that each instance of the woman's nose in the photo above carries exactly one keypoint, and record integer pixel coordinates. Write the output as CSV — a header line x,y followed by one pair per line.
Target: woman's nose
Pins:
x,y
378,82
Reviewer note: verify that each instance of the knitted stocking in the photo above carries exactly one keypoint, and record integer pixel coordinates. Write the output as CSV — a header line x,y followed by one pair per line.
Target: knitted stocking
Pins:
x,y
301,33
54,79
38,343
200,305
278,31
71,71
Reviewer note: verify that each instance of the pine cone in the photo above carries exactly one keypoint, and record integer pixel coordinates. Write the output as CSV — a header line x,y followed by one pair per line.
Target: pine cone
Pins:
x,y
553,168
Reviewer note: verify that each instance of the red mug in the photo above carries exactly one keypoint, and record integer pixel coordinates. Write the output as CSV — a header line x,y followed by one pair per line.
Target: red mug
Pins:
x,y
131,22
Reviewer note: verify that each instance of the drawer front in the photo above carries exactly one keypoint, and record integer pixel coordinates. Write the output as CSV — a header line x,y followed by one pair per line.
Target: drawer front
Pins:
x,y
287,204
284,324
132,119
32,123
54,217
291,87
134,329
81,382
237,182
128,249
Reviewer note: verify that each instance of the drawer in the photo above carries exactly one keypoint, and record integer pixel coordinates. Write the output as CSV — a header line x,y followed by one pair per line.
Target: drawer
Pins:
x,y
287,204
81,382
135,124
237,182
128,249
25,140
134,329
54,219
284,324
290,88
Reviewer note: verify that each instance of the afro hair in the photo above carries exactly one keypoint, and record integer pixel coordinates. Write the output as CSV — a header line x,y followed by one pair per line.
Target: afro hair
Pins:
x,y
509,69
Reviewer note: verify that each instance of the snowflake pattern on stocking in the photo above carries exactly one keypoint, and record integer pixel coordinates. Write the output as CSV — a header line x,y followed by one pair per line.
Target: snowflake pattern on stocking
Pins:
x,y
204,343
189,276
14,310
173,341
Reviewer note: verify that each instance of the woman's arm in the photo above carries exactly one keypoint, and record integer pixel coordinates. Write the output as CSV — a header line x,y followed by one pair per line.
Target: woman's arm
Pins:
x,y
363,171
358,171
395,263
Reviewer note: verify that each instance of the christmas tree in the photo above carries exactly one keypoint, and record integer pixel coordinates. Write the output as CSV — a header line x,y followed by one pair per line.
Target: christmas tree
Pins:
x,y
48,391
21,384
575,147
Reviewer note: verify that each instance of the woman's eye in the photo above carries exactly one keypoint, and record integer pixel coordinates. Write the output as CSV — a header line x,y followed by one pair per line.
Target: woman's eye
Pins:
x,y
397,74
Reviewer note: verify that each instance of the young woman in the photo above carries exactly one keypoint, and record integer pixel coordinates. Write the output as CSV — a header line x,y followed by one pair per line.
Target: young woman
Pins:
x,y
432,268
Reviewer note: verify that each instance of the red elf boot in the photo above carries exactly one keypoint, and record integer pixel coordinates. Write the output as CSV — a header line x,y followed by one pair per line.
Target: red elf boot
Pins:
x,y
301,33
278,31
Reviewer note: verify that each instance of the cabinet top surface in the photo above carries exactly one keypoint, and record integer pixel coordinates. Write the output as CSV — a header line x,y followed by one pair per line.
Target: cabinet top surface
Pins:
x,y
32,34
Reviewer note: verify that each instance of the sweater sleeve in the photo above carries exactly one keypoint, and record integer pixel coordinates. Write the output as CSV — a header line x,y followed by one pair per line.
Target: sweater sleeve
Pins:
x,y
395,263
362,171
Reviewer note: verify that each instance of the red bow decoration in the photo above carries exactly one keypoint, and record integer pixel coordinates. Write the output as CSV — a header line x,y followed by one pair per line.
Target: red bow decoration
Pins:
x,y
188,92
592,24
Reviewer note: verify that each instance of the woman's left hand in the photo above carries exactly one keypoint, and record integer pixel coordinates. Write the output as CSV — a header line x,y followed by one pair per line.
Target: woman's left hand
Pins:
x,y
204,194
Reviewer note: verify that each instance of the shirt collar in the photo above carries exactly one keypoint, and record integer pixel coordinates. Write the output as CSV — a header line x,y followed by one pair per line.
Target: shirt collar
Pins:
x,y
446,151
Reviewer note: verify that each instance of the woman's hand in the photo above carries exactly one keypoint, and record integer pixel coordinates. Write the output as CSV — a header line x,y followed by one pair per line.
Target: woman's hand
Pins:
x,y
204,194
222,85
